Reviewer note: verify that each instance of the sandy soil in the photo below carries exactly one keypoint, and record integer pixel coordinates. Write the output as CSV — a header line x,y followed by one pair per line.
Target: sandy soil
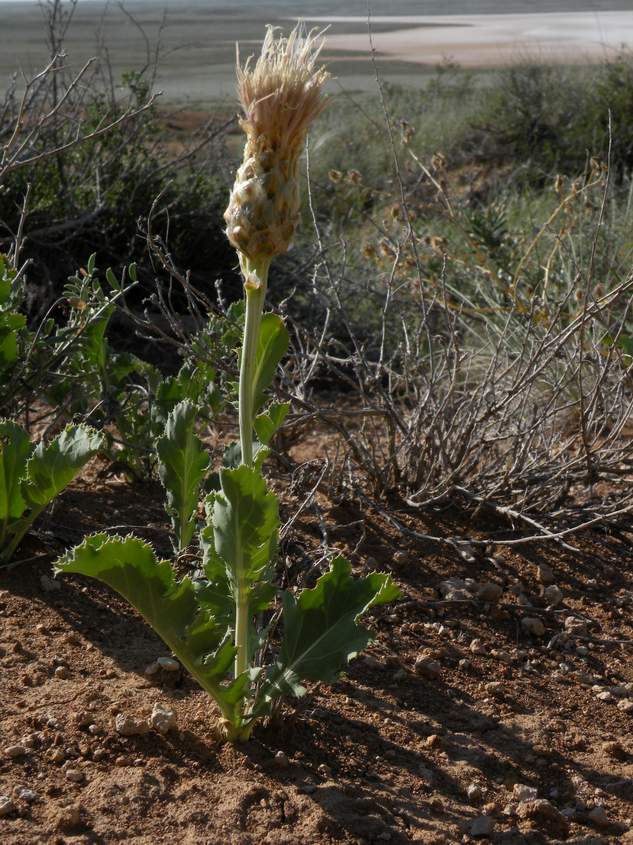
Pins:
x,y
456,709
490,40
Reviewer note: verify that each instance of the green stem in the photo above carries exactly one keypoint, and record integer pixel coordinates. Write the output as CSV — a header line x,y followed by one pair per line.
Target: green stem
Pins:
x,y
255,281
19,535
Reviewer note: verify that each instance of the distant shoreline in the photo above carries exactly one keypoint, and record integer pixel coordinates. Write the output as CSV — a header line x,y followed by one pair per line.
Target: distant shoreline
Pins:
x,y
486,40
198,41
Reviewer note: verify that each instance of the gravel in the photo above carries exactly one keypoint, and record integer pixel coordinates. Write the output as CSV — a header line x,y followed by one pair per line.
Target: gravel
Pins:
x,y
428,668
127,725
482,827
523,792
169,664
533,625
15,751
163,719
7,806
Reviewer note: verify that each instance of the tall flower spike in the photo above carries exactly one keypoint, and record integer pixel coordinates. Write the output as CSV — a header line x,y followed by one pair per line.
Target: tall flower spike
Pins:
x,y
280,95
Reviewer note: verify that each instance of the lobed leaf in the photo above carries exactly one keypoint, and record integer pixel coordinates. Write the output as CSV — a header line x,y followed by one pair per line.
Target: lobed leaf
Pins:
x,y
169,606
321,631
245,519
183,463
271,348
51,468
15,448
270,421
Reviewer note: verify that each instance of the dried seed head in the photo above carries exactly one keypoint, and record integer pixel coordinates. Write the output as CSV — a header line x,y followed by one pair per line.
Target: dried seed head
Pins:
x,y
438,161
280,95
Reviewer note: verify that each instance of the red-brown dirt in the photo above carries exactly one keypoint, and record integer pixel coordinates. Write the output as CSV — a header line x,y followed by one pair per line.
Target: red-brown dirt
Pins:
x,y
387,754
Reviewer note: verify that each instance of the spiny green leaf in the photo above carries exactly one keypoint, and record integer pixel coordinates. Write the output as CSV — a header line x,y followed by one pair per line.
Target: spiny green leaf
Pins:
x,y
245,520
271,348
10,325
321,630
183,463
171,607
270,421
15,448
51,468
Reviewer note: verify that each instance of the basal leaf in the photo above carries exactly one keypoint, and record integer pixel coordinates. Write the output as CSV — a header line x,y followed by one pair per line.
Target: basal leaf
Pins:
x,y
51,468
15,448
271,348
169,606
321,630
183,463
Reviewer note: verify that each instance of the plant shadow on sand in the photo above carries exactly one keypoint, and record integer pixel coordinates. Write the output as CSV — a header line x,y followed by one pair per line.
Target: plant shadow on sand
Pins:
x,y
372,754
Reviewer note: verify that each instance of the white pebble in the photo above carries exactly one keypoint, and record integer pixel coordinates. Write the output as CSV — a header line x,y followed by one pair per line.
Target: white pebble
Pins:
x,y
168,664
163,719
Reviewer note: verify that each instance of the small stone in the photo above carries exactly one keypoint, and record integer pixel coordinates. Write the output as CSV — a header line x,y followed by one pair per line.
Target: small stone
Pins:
x,y
605,695
489,591
74,775
477,647
598,816
324,770
152,669
25,794
99,755
620,691
95,730
426,774
49,585
15,751
494,688
475,793
553,595
533,625
482,827
428,668
400,558
614,750
454,589
163,718
433,741
6,806
168,664
544,574
503,656
126,725
69,818
281,760
626,704
464,663
122,760
523,792
544,815
58,756
575,626
62,672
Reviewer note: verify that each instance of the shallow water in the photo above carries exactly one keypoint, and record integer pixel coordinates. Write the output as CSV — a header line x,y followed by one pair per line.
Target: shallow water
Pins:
x,y
198,36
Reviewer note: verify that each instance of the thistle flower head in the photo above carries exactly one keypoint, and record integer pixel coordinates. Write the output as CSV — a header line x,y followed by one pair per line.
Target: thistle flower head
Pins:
x,y
281,93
